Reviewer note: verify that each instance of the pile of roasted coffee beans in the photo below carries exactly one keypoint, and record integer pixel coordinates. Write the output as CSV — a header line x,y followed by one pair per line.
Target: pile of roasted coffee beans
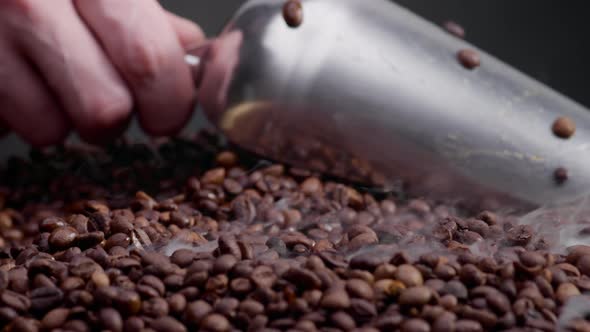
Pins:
x,y
185,236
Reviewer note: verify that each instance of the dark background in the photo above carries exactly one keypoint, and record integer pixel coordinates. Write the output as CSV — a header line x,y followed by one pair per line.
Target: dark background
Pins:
x,y
546,39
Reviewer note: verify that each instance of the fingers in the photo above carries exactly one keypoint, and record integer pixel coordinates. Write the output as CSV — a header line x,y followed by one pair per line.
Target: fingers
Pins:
x,y
37,117
220,62
73,64
189,34
141,42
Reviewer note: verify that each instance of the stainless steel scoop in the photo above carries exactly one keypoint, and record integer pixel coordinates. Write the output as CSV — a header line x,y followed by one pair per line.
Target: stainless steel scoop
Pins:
x,y
367,91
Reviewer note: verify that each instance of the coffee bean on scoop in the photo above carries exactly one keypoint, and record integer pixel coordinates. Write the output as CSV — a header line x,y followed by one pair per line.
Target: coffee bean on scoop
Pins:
x,y
469,58
560,175
564,127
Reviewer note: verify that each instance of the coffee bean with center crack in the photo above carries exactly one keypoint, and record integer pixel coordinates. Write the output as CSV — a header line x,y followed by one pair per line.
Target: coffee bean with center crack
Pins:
x,y
302,278
44,299
62,238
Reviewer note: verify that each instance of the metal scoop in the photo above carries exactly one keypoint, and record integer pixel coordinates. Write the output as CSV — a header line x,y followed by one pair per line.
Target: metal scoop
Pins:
x,y
367,91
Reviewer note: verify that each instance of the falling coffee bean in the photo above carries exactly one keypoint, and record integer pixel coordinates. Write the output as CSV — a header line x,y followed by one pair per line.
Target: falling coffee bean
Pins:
x,y
454,29
293,13
564,127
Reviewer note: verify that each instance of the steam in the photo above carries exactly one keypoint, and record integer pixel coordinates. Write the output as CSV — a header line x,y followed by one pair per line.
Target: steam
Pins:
x,y
576,308
562,225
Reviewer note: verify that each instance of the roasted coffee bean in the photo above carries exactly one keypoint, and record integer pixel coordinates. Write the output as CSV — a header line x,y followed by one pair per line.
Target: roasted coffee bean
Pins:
x,y
456,288
466,325
469,58
415,325
111,319
62,238
177,303
15,301
21,324
45,298
155,307
263,276
215,323
183,257
564,127
55,318
303,279
224,263
360,289
444,323
229,245
486,318
119,240
471,275
167,324
409,275
343,321
415,296
335,298
196,311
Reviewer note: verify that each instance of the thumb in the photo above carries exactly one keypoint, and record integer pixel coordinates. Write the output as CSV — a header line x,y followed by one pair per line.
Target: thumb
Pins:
x,y
189,34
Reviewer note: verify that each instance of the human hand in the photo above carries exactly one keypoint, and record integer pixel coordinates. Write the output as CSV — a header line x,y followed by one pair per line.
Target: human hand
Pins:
x,y
86,65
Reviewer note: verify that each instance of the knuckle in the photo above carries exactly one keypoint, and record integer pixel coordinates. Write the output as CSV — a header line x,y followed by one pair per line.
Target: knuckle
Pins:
x,y
105,110
143,63
26,10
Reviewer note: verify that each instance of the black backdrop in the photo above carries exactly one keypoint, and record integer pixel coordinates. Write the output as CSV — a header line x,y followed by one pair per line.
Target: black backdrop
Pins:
x,y
548,40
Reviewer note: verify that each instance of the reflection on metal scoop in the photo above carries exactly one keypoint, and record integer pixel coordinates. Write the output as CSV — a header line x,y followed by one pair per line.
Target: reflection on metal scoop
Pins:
x,y
367,91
